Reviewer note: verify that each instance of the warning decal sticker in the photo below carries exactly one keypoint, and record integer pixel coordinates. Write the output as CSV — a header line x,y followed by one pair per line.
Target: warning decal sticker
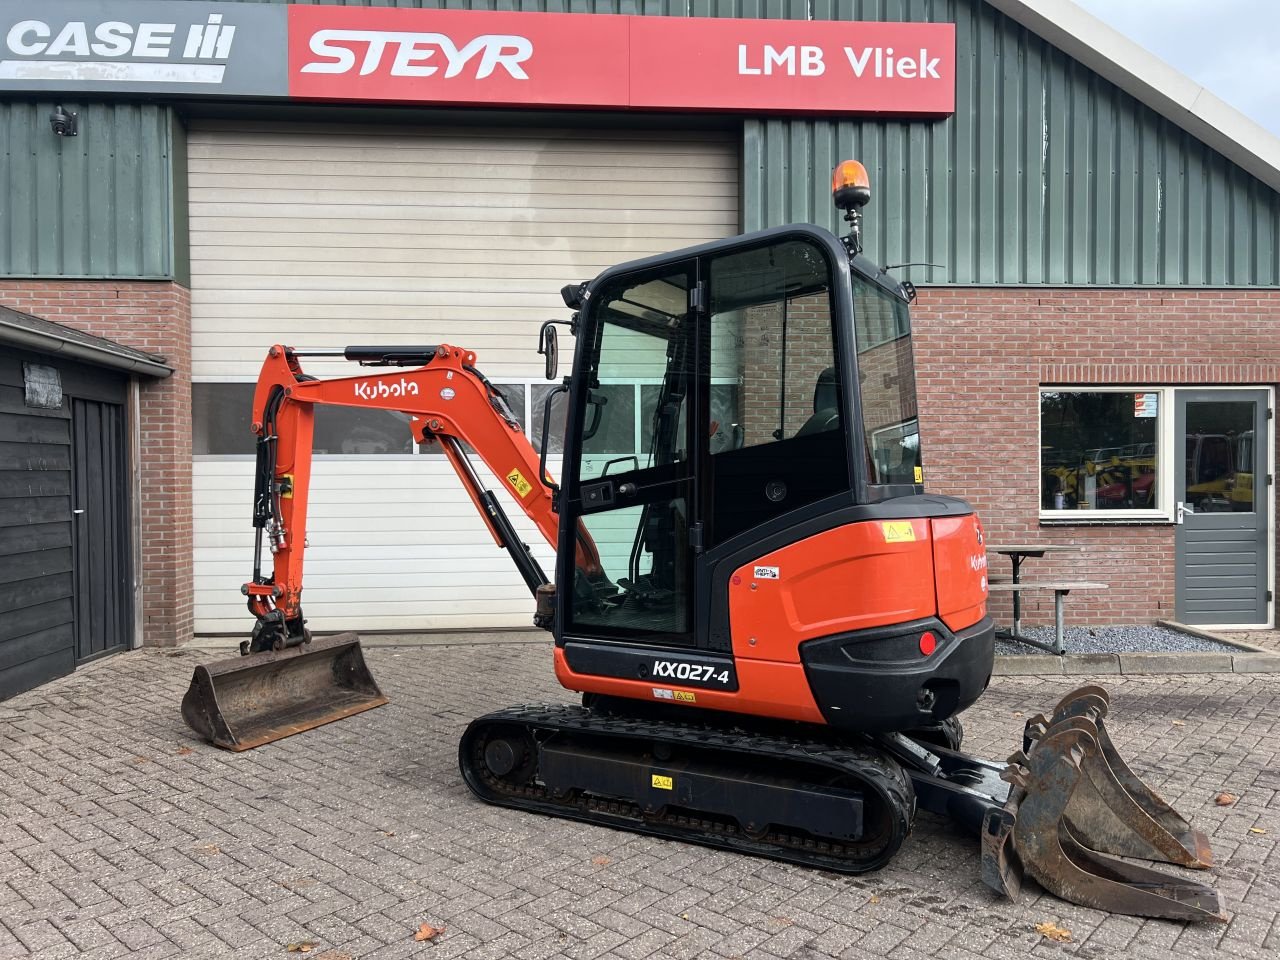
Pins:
x,y
519,483
898,531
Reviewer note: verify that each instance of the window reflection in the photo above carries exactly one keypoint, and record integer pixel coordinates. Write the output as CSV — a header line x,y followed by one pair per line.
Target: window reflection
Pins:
x,y
1099,450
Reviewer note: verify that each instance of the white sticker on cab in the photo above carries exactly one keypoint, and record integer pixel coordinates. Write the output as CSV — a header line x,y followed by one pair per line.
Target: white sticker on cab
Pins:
x,y
766,573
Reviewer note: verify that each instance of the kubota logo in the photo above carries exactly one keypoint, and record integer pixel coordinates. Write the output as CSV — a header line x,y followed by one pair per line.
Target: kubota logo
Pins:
x,y
377,389
410,53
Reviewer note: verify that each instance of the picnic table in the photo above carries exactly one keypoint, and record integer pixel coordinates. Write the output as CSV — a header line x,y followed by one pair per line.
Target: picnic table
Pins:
x,y
1018,553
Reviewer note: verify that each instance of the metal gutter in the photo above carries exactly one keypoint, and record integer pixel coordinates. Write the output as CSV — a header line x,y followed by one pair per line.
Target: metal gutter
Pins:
x,y
1151,81
104,355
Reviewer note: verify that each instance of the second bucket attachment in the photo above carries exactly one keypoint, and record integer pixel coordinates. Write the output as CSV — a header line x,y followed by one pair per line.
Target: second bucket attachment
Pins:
x,y
1075,808
243,702
1112,810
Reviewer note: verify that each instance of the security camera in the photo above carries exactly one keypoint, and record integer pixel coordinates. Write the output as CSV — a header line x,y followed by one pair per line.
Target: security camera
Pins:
x,y
63,123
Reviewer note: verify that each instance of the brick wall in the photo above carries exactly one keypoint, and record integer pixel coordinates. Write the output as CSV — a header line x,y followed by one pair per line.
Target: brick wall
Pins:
x,y
982,355
155,317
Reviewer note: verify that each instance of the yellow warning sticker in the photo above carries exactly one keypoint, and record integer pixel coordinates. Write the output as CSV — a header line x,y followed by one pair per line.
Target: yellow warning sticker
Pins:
x,y
919,474
662,783
898,531
686,696
519,483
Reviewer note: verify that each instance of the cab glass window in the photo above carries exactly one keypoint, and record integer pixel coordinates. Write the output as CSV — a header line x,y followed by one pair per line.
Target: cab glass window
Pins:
x,y
774,422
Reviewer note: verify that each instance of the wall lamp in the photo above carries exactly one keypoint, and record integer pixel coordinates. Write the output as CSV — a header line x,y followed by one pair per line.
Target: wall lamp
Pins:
x,y
64,123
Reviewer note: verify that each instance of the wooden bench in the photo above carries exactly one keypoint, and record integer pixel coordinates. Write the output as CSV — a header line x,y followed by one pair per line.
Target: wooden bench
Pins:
x,y
1060,589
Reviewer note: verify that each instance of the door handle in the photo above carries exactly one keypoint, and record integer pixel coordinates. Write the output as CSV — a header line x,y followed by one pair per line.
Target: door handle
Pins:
x,y
1182,511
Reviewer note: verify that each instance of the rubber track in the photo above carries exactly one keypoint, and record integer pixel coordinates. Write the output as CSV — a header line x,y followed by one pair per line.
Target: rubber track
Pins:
x,y
870,767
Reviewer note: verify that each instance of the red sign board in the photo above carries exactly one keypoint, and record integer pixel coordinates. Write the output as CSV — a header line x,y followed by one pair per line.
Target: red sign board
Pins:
x,y
622,62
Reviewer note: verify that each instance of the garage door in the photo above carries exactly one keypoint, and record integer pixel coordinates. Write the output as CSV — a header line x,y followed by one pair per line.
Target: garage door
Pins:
x,y
327,236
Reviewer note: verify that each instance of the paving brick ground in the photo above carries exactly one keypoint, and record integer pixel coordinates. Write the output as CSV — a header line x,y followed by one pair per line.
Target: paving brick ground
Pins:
x,y
1264,639
121,836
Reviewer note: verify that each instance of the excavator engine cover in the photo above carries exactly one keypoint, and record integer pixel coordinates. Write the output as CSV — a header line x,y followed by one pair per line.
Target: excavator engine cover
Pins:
x,y
243,702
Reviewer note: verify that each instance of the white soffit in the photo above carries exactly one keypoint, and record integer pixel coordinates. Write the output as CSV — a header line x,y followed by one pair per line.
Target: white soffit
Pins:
x,y
1151,81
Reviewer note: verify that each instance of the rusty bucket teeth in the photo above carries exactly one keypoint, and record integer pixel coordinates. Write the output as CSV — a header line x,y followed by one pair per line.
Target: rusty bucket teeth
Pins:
x,y
1075,807
1113,811
243,702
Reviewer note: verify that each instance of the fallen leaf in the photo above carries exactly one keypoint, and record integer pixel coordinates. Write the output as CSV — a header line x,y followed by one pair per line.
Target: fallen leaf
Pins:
x,y
304,946
183,751
601,861
1017,713
874,899
1256,830
1178,723
141,759
427,932
209,848
783,921
1053,932
387,833
1225,799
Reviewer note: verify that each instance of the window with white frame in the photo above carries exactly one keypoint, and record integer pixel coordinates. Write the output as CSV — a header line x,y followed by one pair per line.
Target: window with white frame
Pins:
x,y
1102,452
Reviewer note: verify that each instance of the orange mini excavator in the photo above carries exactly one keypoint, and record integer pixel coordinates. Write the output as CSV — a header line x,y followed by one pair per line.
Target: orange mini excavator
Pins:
x,y
772,625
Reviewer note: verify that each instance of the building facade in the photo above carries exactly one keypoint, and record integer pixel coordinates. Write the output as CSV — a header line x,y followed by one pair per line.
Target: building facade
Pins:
x,y
1096,245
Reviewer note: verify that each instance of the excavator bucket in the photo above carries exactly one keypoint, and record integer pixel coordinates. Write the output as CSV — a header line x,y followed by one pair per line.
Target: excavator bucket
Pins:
x,y
243,702
1075,807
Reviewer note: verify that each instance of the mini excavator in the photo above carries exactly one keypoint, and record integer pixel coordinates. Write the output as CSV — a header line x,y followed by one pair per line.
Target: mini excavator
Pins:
x,y
772,625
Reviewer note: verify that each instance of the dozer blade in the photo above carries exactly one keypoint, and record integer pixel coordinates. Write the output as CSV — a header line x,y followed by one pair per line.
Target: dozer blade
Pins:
x,y
1034,832
243,702
1113,811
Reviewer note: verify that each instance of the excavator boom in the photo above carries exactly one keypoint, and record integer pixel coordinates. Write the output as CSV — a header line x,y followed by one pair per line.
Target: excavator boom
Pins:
x,y
284,682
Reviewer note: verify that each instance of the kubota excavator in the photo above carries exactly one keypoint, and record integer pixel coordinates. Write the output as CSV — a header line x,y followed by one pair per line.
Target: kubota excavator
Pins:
x,y
772,625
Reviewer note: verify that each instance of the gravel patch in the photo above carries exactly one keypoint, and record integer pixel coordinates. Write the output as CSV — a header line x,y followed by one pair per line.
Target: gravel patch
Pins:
x,y
1135,638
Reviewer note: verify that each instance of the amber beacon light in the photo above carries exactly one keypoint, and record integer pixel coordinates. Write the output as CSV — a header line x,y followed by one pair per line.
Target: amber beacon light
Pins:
x,y
851,191
850,185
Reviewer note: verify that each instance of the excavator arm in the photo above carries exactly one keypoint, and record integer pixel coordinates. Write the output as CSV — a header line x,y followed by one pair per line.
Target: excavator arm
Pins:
x,y
448,402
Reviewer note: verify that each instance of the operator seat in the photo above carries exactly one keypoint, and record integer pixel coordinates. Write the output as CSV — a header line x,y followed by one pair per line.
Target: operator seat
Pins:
x,y
826,405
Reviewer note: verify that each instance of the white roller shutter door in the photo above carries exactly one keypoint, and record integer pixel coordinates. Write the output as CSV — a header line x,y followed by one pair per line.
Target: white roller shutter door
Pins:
x,y
326,236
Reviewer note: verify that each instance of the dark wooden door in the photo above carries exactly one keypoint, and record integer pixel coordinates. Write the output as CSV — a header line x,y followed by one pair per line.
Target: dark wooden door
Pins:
x,y
100,528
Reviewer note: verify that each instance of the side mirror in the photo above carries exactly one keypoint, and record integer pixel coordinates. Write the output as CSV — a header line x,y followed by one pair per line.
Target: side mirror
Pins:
x,y
549,347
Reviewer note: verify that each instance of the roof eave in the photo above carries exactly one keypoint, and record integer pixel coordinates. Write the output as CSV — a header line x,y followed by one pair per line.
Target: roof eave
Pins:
x,y
16,335
1151,81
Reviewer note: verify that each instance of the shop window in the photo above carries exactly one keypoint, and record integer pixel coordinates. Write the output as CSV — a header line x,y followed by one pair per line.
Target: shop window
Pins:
x,y
1100,452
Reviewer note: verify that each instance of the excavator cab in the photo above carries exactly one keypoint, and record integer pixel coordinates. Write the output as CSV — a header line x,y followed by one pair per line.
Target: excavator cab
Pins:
x,y
744,441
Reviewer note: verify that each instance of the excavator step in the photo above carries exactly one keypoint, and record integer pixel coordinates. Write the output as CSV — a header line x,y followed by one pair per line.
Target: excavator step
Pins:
x,y
243,702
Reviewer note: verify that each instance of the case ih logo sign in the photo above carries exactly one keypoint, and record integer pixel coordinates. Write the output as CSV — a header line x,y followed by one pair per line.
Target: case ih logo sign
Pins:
x,y
142,46
482,57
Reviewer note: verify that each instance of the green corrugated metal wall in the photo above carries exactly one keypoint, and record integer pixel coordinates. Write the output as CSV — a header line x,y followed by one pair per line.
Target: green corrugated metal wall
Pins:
x,y
95,205
1059,176
995,199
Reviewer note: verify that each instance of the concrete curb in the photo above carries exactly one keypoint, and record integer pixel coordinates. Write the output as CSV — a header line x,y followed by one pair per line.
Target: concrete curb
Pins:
x,y
453,638
1135,664
1206,635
